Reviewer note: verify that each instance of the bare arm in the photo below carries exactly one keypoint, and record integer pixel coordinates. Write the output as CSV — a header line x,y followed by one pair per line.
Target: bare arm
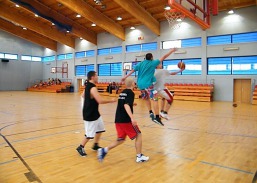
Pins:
x,y
174,73
98,98
131,72
128,110
168,54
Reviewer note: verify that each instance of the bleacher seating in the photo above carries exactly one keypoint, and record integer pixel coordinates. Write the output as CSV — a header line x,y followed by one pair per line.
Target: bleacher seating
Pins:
x,y
192,92
254,100
63,87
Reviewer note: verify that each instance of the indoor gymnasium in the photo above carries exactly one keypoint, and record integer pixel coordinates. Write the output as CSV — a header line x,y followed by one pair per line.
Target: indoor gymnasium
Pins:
x,y
74,80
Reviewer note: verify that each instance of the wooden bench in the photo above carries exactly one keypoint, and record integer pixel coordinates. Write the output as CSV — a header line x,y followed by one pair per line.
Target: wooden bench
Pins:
x,y
192,92
51,88
254,100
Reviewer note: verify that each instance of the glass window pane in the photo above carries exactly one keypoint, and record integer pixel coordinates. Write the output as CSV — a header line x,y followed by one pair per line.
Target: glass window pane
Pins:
x,y
171,65
191,42
69,56
25,57
38,59
215,40
171,44
219,66
193,67
133,48
244,37
80,70
244,65
11,56
104,51
149,46
61,57
81,54
90,53
116,50
116,69
1,55
90,68
104,69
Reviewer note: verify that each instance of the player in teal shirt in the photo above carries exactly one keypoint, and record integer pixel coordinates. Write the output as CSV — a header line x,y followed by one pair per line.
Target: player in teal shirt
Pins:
x,y
145,81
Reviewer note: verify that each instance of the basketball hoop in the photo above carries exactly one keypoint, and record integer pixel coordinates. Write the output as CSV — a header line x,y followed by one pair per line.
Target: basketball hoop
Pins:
x,y
174,18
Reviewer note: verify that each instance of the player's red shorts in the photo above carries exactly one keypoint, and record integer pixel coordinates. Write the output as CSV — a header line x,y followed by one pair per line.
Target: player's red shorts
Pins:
x,y
126,129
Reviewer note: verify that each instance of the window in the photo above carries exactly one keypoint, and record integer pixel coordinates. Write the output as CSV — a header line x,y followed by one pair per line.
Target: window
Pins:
x,y
133,64
49,58
232,38
116,69
107,51
116,50
1,55
193,66
83,54
215,40
217,66
141,47
61,57
133,48
149,46
171,44
244,65
37,59
244,37
192,42
26,57
69,56
104,69
113,69
82,70
11,56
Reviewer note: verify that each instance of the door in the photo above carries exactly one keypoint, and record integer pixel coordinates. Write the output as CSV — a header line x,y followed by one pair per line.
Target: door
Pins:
x,y
242,90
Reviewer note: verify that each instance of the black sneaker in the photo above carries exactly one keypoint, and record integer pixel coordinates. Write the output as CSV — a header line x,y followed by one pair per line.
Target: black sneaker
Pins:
x,y
101,154
81,151
152,116
158,121
96,147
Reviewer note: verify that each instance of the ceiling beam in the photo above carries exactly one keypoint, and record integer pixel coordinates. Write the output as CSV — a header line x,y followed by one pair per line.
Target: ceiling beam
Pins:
x,y
28,35
141,14
93,15
77,29
13,15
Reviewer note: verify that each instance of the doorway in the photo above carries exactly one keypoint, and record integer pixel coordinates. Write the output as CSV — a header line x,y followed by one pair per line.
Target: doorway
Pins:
x,y
242,91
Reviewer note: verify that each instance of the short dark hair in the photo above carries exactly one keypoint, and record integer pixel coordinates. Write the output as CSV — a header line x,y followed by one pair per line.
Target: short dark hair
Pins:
x,y
90,74
148,56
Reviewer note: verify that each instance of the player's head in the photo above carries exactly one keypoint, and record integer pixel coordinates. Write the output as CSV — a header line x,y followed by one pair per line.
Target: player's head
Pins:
x,y
129,82
149,56
92,75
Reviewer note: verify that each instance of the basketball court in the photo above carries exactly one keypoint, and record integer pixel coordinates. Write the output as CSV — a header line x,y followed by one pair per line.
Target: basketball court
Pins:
x,y
205,142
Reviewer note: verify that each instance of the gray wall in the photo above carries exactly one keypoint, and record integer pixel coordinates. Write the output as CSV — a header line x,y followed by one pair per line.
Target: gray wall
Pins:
x,y
17,74
244,20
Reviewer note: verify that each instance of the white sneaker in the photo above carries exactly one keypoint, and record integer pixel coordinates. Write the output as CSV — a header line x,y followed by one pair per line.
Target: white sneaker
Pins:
x,y
142,158
165,116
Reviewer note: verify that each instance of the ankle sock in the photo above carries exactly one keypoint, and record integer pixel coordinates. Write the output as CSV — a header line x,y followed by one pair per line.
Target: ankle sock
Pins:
x,y
81,146
139,155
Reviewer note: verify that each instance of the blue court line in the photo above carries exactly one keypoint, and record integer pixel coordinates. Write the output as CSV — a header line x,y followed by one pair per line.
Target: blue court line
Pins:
x,y
226,167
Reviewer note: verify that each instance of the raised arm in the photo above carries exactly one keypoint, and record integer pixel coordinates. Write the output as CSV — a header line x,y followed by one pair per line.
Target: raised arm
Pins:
x,y
174,73
168,54
131,72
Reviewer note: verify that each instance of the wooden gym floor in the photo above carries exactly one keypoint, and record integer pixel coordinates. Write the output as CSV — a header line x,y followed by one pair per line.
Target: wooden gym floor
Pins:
x,y
202,143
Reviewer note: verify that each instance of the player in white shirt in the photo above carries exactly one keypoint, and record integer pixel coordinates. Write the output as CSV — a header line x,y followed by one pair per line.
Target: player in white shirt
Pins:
x,y
160,75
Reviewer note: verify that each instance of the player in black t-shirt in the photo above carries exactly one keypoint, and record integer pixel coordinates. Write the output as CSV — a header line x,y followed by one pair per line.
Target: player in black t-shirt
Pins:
x,y
125,123
93,121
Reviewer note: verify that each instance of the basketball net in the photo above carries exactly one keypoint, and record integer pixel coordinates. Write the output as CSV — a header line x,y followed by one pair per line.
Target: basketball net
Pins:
x,y
174,18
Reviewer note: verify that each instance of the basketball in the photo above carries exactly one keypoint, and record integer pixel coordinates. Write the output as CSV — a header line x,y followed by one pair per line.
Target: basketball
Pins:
x,y
181,65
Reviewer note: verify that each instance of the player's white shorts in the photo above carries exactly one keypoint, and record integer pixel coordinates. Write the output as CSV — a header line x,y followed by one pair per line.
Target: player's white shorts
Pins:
x,y
165,93
93,127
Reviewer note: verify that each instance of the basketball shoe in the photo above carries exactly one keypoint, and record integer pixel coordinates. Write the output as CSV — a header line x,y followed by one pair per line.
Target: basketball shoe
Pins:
x,y
142,158
164,115
101,154
81,151
158,121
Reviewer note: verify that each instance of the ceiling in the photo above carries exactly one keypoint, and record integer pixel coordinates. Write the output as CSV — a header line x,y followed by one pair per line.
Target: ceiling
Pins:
x,y
57,20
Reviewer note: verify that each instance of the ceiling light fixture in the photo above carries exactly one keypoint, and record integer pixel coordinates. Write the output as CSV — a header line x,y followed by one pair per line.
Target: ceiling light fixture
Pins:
x,y
36,15
132,28
17,5
81,38
230,12
53,23
119,18
167,7
93,24
179,20
67,31
24,28
78,15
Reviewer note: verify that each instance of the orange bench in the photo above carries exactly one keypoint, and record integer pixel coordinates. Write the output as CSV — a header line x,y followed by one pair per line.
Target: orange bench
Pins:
x,y
254,99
